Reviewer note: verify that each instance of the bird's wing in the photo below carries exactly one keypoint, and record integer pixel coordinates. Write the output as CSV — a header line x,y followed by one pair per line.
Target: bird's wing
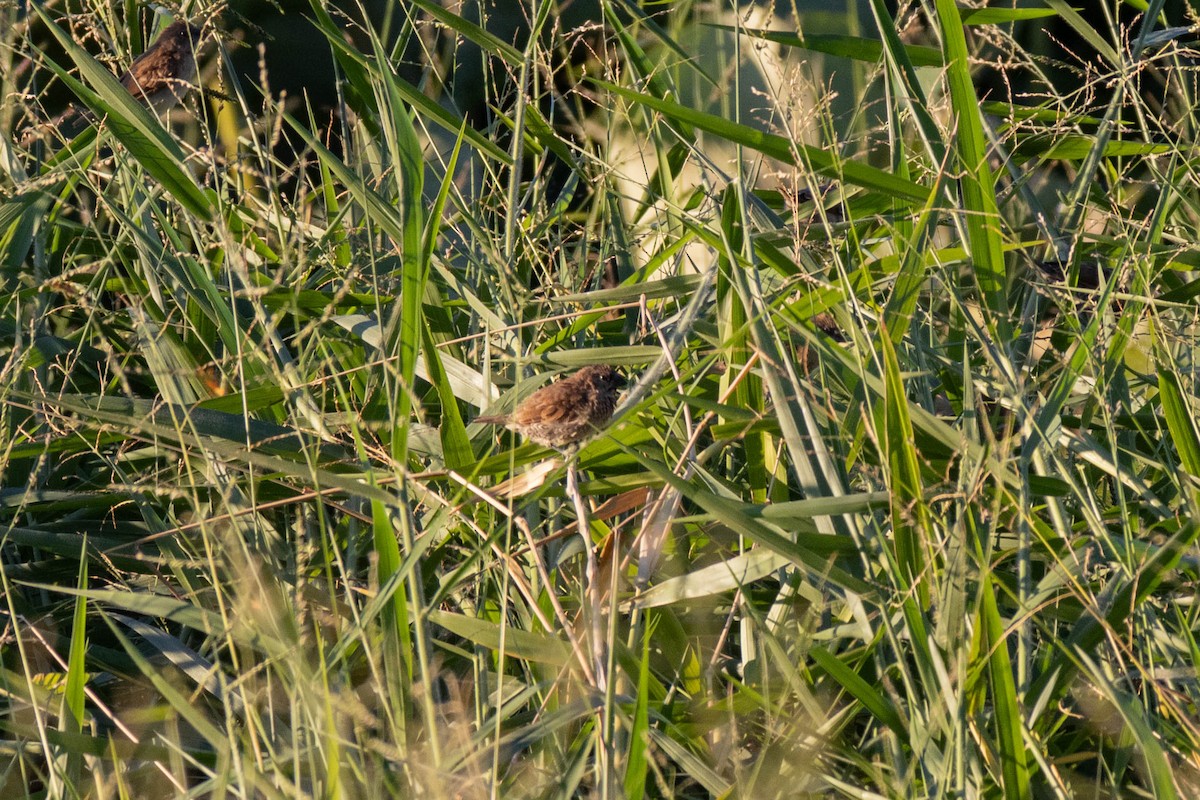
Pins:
x,y
558,402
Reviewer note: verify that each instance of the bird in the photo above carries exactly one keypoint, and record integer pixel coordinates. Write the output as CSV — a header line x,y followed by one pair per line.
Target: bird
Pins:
x,y
567,411
159,77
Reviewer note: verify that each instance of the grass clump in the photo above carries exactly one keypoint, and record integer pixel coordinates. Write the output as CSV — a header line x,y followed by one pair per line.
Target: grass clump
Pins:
x,y
901,500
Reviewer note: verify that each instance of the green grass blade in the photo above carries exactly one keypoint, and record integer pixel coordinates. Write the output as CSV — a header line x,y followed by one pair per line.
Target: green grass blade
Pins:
x,y
779,147
1014,761
856,47
73,695
910,519
1181,418
978,184
637,764
862,691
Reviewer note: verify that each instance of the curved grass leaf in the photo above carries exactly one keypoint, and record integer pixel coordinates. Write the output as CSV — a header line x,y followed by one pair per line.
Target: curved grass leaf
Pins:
x,y
856,47
860,690
779,148
517,643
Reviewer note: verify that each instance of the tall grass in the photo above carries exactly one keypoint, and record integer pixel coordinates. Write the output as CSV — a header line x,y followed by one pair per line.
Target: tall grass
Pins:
x,y
902,501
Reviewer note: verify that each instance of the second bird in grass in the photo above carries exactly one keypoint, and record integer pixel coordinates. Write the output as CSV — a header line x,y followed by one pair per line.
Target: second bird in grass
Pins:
x,y
567,411
159,77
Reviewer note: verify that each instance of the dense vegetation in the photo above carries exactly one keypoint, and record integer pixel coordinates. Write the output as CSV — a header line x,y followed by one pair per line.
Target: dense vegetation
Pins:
x,y
902,500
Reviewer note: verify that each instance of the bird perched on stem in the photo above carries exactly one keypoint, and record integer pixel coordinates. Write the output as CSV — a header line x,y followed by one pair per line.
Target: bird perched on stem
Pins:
x,y
567,411
159,77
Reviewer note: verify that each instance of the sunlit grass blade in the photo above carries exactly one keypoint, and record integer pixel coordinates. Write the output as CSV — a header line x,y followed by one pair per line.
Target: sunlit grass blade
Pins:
x,y
1009,727
983,220
636,760
1180,416
779,148
910,519
536,647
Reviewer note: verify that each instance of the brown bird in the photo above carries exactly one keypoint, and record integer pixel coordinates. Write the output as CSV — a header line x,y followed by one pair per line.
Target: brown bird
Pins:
x,y
566,411
159,77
